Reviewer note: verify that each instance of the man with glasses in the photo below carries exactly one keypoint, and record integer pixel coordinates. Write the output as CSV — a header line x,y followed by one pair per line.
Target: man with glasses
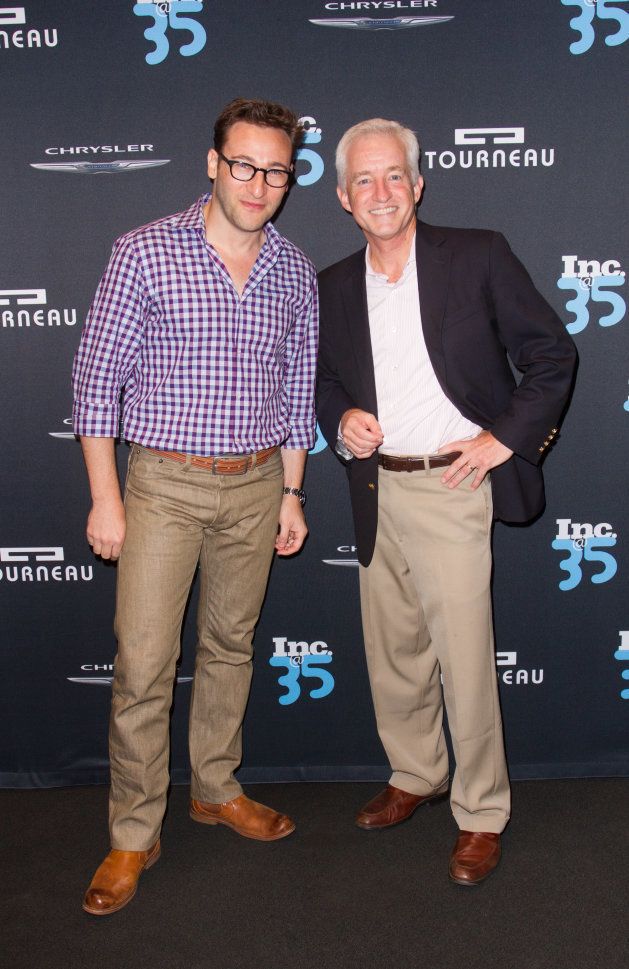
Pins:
x,y
208,321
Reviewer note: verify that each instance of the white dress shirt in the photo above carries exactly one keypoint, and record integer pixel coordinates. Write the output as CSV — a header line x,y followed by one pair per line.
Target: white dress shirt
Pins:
x,y
415,415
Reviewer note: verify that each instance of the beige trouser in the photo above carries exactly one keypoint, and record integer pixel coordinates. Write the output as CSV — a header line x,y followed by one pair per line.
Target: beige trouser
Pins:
x,y
178,516
426,608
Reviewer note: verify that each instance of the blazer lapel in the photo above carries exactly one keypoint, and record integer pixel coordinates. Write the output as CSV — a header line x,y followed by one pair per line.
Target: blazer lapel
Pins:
x,y
354,293
433,274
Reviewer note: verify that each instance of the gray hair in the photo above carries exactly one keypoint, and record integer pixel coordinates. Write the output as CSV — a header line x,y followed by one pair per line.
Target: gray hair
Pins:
x,y
378,126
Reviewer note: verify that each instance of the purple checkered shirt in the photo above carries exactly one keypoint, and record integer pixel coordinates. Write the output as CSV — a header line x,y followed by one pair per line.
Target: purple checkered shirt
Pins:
x,y
203,370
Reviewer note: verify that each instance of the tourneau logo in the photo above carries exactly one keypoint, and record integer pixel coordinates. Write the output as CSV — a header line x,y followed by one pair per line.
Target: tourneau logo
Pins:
x,y
492,154
13,569
481,136
516,677
24,36
19,317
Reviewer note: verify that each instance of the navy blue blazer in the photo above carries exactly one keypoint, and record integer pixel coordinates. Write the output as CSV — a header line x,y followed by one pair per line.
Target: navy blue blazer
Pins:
x,y
479,309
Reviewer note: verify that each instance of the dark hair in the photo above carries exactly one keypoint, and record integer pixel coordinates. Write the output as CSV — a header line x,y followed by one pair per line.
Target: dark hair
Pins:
x,y
268,114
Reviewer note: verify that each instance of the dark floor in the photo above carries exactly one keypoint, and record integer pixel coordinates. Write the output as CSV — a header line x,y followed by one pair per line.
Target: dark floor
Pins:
x,y
329,896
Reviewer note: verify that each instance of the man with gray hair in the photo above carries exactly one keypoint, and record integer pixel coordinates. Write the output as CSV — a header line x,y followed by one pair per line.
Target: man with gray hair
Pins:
x,y
416,396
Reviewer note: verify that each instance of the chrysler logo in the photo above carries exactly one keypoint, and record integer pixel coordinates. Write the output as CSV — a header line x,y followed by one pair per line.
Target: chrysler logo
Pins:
x,y
385,23
96,168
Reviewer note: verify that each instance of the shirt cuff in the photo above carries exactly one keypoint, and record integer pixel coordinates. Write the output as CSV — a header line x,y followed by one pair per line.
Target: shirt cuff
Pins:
x,y
95,420
301,438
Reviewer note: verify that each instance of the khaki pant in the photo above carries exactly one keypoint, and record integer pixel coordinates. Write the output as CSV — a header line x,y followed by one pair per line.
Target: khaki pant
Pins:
x,y
426,608
179,516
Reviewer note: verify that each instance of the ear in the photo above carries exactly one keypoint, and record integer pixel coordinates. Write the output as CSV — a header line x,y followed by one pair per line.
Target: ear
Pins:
x,y
343,198
212,163
418,188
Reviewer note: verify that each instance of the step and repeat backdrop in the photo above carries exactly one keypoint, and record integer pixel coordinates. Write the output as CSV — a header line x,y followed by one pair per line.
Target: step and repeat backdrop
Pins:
x,y
107,113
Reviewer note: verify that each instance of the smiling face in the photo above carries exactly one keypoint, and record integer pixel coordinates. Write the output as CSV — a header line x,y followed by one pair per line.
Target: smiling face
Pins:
x,y
379,191
246,206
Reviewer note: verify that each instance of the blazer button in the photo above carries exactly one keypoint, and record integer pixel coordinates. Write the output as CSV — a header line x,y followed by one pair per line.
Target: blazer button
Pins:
x,y
371,486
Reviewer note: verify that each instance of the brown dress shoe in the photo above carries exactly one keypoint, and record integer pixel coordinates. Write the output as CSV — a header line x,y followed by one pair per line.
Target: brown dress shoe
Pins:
x,y
116,880
391,806
246,817
474,856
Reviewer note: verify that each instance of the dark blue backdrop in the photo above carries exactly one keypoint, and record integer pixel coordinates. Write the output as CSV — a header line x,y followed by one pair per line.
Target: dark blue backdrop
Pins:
x,y
517,106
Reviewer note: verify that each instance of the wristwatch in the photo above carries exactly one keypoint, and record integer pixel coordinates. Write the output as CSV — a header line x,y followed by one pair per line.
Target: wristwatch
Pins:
x,y
298,492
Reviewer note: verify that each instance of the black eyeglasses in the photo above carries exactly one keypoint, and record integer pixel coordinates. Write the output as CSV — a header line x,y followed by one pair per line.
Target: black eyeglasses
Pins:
x,y
244,172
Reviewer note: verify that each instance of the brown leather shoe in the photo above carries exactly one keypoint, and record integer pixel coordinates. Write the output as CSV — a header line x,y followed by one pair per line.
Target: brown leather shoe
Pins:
x,y
474,856
116,880
391,806
246,817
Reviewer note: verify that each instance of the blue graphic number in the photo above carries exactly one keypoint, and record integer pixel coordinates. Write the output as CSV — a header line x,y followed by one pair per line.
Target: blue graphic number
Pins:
x,y
157,33
311,137
578,305
604,10
583,24
599,293
307,667
615,300
320,443
623,656
570,564
327,680
290,680
608,561
199,36
590,552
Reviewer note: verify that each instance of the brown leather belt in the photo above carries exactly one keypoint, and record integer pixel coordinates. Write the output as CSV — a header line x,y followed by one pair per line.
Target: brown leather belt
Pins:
x,y
391,462
220,463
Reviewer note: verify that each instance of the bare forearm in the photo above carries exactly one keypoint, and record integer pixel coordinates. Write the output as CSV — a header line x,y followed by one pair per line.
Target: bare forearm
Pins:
x,y
294,461
100,461
292,525
106,524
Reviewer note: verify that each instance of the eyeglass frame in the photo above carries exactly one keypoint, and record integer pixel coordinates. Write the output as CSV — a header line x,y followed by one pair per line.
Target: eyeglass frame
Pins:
x,y
265,171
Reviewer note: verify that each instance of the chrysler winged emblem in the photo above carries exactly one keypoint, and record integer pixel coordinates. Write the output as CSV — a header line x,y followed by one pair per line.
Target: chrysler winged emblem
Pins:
x,y
96,168
385,23
108,680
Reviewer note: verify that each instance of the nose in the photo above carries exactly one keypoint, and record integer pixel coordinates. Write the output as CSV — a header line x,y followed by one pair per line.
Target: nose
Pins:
x,y
257,185
381,189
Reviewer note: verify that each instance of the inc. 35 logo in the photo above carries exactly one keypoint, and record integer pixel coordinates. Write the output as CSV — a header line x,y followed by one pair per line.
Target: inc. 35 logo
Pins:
x,y
592,282
590,13
173,14
585,542
301,661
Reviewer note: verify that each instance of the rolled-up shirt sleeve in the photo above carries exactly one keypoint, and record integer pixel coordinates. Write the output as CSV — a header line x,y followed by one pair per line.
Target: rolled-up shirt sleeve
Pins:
x,y
300,372
110,344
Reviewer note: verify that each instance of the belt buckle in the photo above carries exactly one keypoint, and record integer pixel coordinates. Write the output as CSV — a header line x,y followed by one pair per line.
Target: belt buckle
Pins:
x,y
223,457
